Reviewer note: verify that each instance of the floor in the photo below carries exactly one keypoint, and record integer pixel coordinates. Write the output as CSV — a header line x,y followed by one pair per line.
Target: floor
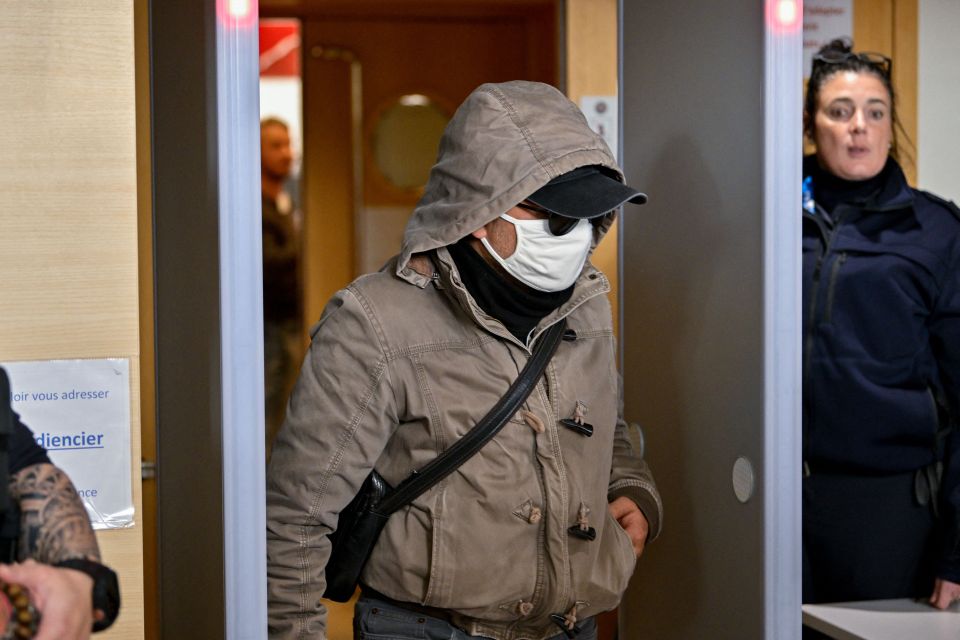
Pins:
x,y
340,619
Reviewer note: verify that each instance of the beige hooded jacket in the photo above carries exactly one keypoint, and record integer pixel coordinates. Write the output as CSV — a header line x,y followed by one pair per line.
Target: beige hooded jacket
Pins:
x,y
403,362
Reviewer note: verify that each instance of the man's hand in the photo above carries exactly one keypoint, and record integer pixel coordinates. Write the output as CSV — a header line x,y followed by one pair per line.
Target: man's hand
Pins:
x,y
64,598
945,593
628,514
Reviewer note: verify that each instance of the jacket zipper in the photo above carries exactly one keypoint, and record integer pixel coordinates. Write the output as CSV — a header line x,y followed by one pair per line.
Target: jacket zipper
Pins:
x,y
827,237
832,287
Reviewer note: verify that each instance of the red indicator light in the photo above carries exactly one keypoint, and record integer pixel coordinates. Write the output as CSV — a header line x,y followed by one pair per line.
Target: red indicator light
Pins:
x,y
238,9
784,16
787,12
237,13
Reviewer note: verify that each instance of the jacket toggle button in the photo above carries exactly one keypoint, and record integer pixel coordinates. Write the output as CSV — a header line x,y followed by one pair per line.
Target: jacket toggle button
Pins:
x,y
568,621
533,421
535,515
582,529
561,621
569,335
576,422
524,608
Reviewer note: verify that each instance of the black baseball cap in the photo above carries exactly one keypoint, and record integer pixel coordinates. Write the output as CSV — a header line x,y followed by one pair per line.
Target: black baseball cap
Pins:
x,y
585,192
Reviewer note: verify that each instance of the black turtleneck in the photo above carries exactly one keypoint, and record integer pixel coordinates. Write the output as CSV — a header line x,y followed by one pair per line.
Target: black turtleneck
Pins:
x,y
830,190
518,307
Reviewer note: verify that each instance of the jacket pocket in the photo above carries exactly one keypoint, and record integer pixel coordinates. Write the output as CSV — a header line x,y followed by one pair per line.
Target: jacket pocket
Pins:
x,y
473,539
626,545
376,620
880,299
608,573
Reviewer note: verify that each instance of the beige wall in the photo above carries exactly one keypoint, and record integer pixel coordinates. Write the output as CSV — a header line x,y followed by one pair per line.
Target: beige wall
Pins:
x,y
68,211
890,27
591,50
591,54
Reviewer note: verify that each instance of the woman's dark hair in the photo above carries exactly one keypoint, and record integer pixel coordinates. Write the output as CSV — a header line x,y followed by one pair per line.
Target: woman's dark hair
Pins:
x,y
837,56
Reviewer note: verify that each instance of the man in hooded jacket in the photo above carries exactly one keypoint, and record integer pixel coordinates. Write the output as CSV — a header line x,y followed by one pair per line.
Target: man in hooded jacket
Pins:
x,y
540,530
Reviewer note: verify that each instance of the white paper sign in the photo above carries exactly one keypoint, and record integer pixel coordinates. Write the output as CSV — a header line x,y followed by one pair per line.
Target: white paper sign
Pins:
x,y
79,411
601,114
824,20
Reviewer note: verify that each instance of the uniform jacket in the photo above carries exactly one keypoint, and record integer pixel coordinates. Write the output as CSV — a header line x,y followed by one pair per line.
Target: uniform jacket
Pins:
x,y
881,325
403,362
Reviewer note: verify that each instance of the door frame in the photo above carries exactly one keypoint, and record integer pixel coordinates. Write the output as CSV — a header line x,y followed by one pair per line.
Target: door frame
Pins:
x,y
207,260
330,259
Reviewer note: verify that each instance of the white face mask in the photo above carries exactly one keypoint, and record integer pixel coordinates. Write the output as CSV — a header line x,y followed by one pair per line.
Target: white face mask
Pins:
x,y
543,261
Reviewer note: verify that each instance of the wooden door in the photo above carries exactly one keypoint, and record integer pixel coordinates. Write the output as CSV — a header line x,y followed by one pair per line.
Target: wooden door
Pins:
x,y
356,67
890,27
590,39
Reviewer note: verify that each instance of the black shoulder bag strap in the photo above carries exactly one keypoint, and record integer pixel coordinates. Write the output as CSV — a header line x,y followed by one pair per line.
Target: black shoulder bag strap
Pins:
x,y
361,521
484,431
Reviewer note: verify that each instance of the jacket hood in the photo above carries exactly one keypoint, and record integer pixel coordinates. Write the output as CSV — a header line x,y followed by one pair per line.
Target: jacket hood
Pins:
x,y
503,143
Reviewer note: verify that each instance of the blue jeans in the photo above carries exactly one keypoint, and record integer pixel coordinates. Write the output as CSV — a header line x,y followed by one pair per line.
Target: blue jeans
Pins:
x,y
374,619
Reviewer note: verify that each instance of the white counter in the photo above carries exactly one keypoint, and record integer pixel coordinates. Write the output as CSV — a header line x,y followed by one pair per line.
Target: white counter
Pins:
x,y
884,620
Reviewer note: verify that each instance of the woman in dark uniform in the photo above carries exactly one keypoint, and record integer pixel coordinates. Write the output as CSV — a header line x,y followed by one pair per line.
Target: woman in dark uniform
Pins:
x,y
881,351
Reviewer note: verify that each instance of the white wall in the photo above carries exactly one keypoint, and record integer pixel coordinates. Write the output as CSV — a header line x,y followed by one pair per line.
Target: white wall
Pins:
x,y
938,144
281,98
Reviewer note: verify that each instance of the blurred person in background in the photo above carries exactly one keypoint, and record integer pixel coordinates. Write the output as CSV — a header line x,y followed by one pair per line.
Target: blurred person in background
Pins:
x,y
282,324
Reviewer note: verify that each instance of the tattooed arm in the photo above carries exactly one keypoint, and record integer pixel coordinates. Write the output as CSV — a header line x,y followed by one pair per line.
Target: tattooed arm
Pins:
x,y
54,527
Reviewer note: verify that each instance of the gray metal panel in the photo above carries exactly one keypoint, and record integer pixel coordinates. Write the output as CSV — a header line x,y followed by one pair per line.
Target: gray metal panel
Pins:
x,y
693,278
